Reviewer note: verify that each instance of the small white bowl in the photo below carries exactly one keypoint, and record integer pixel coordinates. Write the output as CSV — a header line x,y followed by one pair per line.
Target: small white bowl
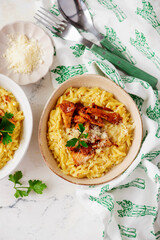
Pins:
x,y
31,31
20,96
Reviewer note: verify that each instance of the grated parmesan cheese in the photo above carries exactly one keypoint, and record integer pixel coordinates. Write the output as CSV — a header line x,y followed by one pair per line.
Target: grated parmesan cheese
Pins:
x,y
124,130
23,54
96,132
98,151
72,133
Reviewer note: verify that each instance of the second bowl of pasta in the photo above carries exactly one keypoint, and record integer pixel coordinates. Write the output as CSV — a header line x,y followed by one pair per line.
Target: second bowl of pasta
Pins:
x,y
16,124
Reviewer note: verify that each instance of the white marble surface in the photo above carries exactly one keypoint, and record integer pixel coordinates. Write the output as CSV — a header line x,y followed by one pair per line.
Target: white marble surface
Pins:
x,y
57,214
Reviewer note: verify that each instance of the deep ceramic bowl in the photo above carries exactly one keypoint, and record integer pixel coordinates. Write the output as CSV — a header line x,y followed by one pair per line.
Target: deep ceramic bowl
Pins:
x,y
11,86
120,95
31,31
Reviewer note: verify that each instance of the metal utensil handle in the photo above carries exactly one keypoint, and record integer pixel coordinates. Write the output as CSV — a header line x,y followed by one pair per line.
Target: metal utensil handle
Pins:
x,y
125,66
105,43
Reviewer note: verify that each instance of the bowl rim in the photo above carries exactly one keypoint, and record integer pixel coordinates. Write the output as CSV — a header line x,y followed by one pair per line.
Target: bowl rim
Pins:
x,y
52,51
26,143
62,175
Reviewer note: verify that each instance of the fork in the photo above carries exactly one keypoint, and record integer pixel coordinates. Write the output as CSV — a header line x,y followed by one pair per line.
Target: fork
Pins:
x,y
68,32
60,27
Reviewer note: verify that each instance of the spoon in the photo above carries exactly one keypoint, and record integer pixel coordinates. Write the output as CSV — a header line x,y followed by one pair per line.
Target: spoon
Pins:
x,y
77,14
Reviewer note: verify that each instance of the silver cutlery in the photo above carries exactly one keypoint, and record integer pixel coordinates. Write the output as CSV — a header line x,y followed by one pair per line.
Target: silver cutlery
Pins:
x,y
69,32
77,14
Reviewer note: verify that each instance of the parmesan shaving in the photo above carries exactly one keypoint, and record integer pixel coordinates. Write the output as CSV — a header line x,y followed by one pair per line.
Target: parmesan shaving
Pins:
x,y
97,132
72,133
23,55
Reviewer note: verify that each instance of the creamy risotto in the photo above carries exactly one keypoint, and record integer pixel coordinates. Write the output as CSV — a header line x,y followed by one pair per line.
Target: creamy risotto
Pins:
x,y
8,104
89,132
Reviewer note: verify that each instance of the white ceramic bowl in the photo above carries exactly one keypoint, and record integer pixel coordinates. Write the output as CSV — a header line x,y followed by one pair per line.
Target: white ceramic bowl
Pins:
x,y
11,86
31,31
91,80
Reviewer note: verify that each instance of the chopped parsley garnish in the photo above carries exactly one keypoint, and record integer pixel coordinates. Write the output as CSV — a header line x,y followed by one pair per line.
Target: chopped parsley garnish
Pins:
x,y
74,141
21,191
6,128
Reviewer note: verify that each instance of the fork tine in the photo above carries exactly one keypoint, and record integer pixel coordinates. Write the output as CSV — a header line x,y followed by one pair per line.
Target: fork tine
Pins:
x,y
62,26
53,16
46,25
53,24
46,20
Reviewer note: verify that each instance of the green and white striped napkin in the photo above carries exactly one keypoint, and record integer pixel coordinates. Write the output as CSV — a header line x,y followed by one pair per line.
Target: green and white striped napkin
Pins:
x,y
127,206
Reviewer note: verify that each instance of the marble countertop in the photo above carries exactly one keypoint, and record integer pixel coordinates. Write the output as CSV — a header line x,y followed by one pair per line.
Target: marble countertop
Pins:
x,y
57,214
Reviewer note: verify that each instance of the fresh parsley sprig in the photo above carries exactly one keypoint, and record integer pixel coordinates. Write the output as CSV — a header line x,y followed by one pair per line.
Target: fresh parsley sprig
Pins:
x,y
6,128
21,191
73,141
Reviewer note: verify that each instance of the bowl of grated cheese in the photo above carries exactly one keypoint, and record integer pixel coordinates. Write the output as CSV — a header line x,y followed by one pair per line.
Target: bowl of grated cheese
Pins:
x,y
26,52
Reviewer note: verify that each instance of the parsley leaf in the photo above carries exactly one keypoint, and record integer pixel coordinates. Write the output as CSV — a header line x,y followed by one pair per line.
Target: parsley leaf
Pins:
x,y
16,177
8,115
73,141
84,135
81,127
6,128
83,144
35,185
6,138
20,193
